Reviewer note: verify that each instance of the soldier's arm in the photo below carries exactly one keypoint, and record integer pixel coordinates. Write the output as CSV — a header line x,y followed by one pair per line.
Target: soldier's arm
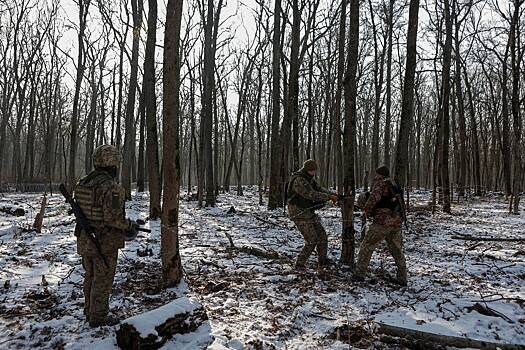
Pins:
x,y
303,188
327,191
375,195
113,208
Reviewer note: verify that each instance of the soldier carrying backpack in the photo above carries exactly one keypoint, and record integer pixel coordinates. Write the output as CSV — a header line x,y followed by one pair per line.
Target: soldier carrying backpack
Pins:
x,y
387,209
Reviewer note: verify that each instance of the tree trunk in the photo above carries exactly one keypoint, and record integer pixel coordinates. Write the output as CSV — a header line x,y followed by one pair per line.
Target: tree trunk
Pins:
x,y
461,181
129,136
83,6
338,154
445,110
150,99
388,113
516,58
207,104
275,198
474,136
171,261
407,102
350,86
141,161
378,87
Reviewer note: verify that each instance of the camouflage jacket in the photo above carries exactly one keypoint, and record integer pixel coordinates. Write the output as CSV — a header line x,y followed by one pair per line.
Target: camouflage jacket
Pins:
x,y
102,200
304,193
382,216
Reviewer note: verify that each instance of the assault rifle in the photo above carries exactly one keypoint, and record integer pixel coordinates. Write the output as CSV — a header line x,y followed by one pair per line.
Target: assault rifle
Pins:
x,y
401,201
83,222
140,222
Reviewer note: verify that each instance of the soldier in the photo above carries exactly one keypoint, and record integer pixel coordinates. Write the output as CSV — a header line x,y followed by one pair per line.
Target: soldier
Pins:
x,y
304,197
386,226
101,199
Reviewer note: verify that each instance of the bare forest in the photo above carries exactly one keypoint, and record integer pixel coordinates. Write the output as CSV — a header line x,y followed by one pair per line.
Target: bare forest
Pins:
x,y
213,105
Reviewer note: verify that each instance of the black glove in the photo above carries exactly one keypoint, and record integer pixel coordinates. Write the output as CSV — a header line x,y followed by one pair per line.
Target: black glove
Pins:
x,y
131,233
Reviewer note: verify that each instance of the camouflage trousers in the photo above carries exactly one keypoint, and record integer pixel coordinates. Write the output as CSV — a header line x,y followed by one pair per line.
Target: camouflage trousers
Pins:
x,y
98,282
394,241
309,224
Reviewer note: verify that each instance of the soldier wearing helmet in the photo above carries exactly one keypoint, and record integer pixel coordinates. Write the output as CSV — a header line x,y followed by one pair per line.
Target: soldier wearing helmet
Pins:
x,y
102,201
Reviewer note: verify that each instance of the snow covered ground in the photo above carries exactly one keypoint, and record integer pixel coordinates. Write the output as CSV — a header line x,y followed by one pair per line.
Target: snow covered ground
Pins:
x,y
251,293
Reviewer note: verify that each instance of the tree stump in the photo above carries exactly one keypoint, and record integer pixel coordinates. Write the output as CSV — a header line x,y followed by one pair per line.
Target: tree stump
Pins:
x,y
150,330
39,218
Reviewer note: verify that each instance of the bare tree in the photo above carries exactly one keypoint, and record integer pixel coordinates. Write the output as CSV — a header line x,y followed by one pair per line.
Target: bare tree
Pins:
x,y
275,196
171,261
407,103
150,98
350,86
83,7
129,137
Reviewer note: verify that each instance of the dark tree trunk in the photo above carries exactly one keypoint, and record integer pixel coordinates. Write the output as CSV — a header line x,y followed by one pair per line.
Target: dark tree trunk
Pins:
x,y
129,136
275,198
350,86
141,161
338,154
171,261
407,102
152,139
388,113
461,181
83,6
445,109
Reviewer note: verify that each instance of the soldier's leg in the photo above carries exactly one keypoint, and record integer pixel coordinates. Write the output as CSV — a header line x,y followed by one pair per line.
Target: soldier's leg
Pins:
x,y
375,234
394,241
101,289
321,240
87,263
307,229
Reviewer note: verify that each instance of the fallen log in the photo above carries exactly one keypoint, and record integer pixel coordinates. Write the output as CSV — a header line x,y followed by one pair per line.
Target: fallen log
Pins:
x,y
152,329
446,340
486,239
13,211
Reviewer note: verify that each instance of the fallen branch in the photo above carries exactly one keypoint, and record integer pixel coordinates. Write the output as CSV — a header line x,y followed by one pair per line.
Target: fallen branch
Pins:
x,y
446,340
487,311
486,239
273,255
13,211
258,252
271,223
500,297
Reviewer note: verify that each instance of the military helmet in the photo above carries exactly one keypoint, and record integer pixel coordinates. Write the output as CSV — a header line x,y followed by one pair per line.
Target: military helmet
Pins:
x,y
106,156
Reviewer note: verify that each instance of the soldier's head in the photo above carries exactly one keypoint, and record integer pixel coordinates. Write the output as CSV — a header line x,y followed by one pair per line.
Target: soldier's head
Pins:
x,y
107,157
383,171
310,166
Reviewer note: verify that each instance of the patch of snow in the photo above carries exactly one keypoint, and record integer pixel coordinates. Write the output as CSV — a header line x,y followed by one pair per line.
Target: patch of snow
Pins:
x,y
145,323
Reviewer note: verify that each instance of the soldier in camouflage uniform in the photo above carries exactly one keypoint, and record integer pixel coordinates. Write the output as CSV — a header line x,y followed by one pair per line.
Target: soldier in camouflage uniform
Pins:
x,y
304,197
386,226
101,199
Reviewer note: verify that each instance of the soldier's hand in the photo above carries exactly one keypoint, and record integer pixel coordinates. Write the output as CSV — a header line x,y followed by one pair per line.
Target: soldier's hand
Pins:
x,y
131,233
